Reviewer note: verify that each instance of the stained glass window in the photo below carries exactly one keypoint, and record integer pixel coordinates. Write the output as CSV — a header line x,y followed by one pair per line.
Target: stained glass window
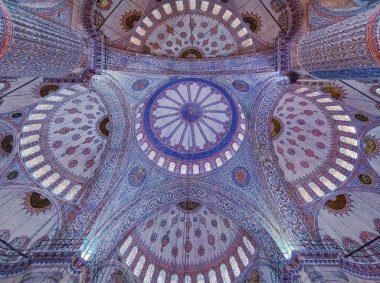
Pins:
x,y
161,276
242,256
131,256
139,266
249,245
200,278
234,266
212,276
224,272
149,274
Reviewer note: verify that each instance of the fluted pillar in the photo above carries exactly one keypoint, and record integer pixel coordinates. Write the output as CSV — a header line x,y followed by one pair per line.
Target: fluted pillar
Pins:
x,y
345,50
33,47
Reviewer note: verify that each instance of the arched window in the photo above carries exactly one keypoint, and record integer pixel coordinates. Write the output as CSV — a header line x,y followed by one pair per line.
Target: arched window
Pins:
x,y
131,256
242,256
234,266
139,265
149,274
161,277
212,276
224,272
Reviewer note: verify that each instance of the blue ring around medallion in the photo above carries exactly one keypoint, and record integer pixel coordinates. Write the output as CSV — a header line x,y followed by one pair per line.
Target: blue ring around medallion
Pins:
x,y
190,156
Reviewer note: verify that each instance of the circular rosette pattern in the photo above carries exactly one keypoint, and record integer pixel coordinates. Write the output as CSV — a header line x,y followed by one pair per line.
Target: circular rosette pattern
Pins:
x,y
63,140
190,126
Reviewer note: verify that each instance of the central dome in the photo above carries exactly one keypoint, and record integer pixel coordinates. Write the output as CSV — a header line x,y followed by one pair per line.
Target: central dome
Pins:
x,y
190,126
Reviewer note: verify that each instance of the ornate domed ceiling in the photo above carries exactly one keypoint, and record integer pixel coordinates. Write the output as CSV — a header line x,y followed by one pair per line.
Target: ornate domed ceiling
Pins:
x,y
188,242
314,140
63,139
189,141
190,126
192,29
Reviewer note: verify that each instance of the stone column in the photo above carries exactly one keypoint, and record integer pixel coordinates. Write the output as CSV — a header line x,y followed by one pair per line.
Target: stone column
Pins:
x,y
345,50
34,47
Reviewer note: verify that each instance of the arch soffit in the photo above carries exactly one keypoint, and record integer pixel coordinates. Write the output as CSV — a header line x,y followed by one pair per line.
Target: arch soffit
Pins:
x,y
108,176
275,194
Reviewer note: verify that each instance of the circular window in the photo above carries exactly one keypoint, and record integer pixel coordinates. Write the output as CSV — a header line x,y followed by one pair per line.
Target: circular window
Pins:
x,y
365,179
371,145
12,175
104,4
375,90
4,86
48,89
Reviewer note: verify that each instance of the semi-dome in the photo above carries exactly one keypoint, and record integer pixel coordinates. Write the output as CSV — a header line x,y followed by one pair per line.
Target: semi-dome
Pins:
x,y
187,141
188,242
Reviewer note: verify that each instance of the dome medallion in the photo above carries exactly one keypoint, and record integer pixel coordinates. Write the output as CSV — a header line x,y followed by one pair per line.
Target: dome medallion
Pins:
x,y
190,126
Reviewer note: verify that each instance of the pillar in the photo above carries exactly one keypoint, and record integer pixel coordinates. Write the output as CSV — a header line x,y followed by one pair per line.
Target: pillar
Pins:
x,y
346,50
34,47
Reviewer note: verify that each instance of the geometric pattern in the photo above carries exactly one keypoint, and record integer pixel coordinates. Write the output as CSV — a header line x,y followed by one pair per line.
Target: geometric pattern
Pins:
x,y
318,147
61,143
191,29
190,126
187,245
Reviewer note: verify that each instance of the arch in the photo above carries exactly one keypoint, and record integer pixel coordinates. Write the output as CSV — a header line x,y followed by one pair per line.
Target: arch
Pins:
x,y
246,216
47,6
61,144
275,195
342,5
317,149
108,176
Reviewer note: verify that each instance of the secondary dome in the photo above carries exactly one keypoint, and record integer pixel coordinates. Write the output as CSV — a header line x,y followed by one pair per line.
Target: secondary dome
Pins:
x,y
63,140
188,242
190,126
315,142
